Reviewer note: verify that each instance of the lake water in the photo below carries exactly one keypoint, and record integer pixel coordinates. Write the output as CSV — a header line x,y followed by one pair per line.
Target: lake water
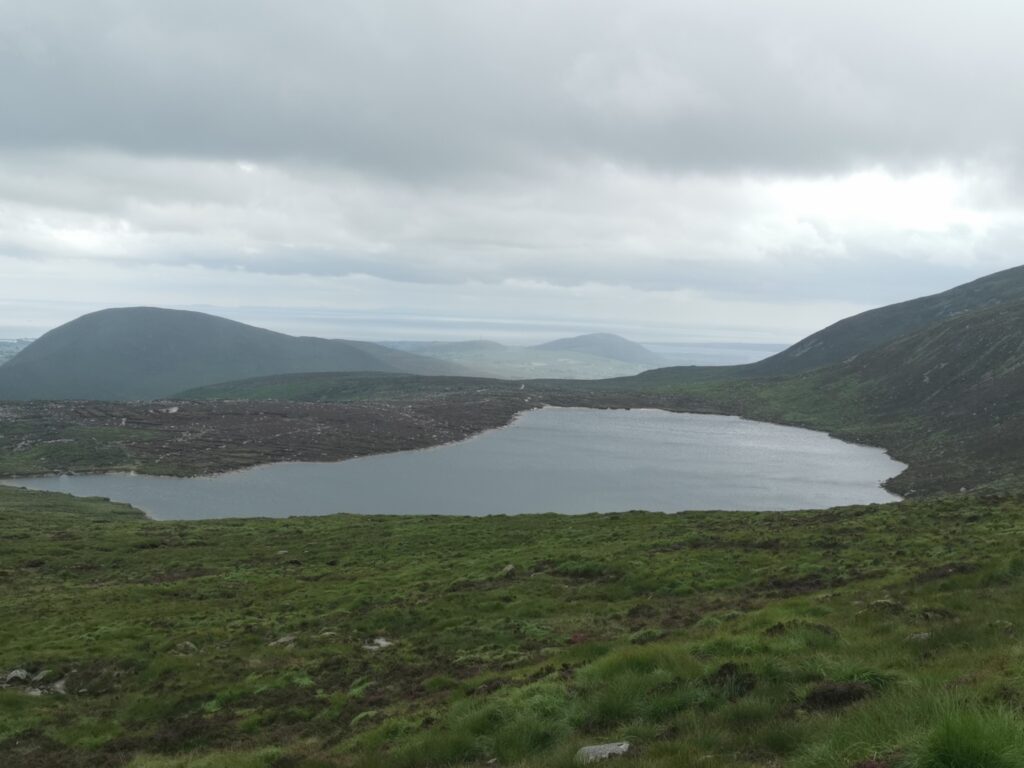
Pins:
x,y
568,460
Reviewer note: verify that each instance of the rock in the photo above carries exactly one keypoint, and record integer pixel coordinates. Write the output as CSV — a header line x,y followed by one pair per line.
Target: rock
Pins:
x,y
60,687
919,637
40,677
288,640
17,677
186,648
377,644
508,571
601,752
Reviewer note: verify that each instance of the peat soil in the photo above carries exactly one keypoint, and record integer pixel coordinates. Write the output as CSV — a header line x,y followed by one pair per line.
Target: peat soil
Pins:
x,y
189,438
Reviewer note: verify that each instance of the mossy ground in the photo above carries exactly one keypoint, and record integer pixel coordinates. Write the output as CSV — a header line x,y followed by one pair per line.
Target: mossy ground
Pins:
x,y
886,633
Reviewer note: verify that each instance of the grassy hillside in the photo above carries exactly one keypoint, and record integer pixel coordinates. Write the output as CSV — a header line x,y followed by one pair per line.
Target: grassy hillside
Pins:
x,y
945,399
868,636
871,329
145,353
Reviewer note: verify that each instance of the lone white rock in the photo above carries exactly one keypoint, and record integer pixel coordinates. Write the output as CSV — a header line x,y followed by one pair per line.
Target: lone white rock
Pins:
x,y
601,752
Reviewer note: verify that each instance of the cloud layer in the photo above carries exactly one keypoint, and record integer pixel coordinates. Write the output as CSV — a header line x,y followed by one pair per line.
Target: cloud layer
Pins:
x,y
670,170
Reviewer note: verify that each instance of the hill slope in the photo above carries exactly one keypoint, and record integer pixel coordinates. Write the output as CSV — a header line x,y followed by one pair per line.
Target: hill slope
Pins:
x,y
143,353
946,399
605,345
857,334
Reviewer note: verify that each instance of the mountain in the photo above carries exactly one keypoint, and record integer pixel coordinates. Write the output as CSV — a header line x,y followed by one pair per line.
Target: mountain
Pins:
x,y
857,334
143,353
607,345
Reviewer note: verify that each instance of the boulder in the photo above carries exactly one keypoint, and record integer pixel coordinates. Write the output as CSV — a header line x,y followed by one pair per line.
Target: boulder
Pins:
x,y
598,752
17,677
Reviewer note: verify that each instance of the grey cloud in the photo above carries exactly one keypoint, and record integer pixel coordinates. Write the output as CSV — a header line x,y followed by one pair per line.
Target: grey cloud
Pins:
x,y
429,90
580,162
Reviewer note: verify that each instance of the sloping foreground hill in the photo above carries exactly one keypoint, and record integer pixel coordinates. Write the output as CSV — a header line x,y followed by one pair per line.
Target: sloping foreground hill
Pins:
x,y
144,353
870,329
882,637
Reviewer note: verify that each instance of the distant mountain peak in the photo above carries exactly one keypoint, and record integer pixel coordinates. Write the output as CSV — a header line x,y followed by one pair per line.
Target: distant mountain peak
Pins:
x,y
608,345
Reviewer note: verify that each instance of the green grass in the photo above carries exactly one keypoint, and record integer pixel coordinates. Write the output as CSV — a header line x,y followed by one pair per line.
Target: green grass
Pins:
x,y
834,637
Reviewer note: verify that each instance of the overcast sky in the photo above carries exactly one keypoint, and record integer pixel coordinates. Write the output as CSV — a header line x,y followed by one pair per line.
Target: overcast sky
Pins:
x,y
518,170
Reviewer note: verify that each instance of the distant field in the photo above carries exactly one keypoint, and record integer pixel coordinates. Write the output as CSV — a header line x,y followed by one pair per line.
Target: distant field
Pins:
x,y
866,636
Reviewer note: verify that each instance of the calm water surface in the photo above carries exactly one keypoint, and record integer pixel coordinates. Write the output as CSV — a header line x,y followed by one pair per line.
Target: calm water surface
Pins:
x,y
569,460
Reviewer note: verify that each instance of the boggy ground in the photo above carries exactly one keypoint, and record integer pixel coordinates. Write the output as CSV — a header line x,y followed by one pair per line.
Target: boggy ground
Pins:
x,y
865,636
197,437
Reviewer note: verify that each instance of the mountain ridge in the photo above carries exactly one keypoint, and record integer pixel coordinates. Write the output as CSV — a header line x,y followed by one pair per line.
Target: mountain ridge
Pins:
x,y
141,353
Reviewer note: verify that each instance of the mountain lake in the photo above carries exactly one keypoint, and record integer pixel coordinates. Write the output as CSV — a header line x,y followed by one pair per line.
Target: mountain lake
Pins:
x,y
566,460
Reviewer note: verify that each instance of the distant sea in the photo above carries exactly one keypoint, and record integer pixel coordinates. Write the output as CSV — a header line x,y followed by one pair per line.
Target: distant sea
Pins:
x,y
713,353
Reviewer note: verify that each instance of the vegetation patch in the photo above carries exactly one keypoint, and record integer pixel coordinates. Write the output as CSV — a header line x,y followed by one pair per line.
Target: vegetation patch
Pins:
x,y
286,643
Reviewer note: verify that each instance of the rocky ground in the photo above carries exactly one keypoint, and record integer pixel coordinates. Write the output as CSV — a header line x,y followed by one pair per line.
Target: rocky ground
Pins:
x,y
204,437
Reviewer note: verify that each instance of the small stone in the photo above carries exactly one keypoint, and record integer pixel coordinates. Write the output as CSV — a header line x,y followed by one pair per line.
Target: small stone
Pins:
x,y
41,676
919,637
16,676
598,752
288,640
186,648
60,687
508,571
377,644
